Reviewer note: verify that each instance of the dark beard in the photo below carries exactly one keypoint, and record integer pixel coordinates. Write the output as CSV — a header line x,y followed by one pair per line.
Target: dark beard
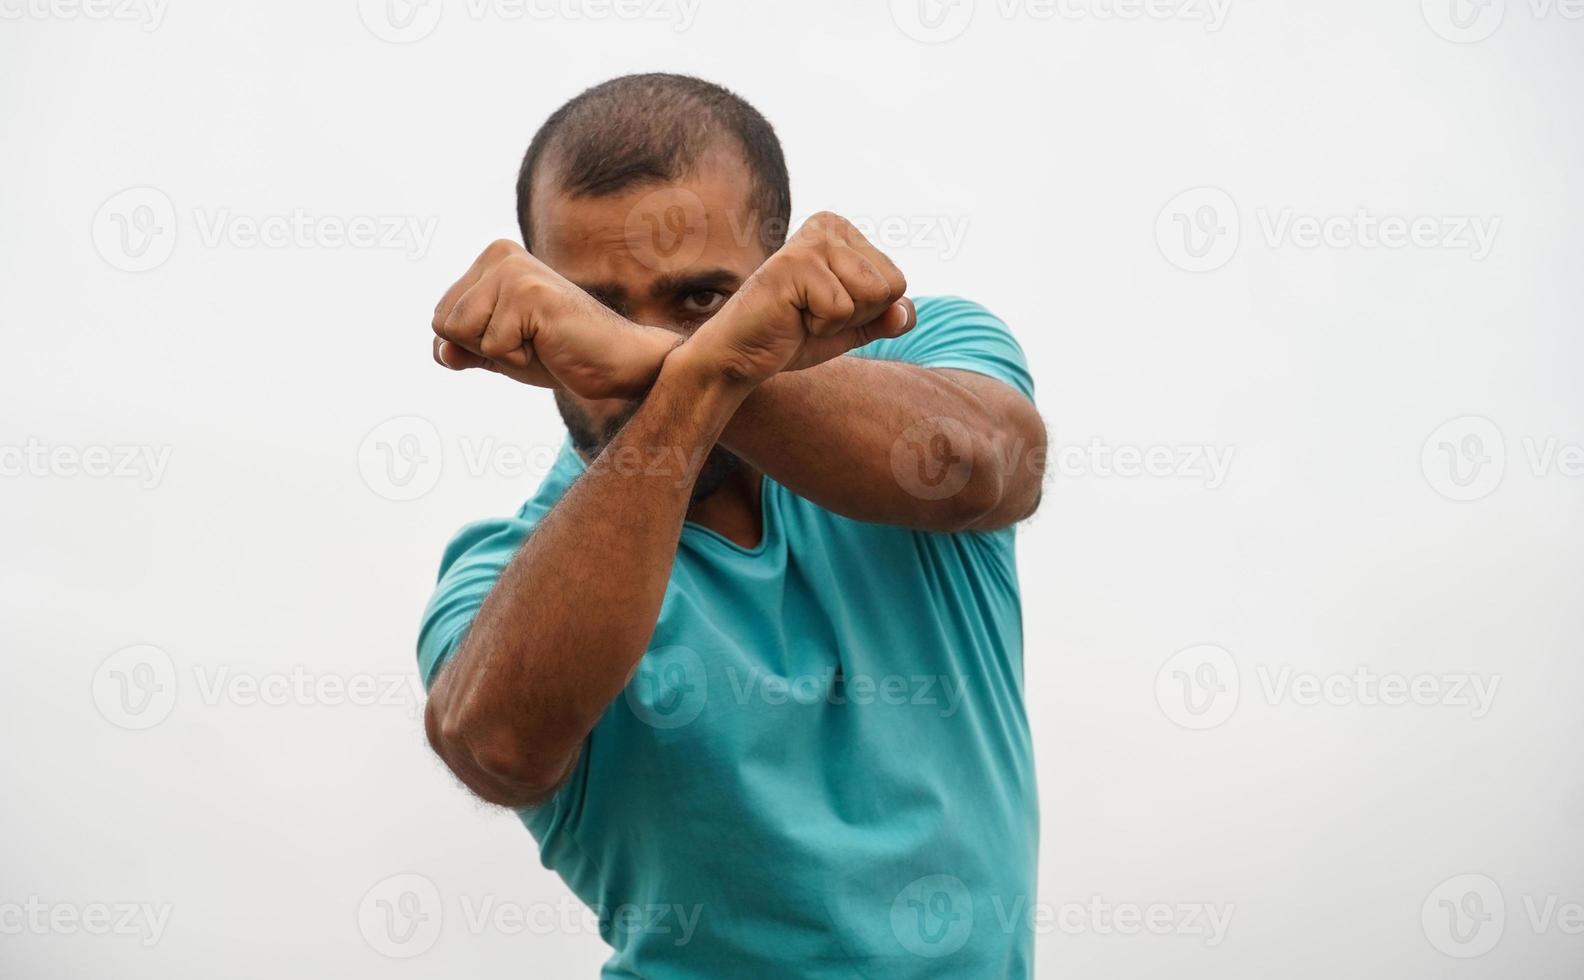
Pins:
x,y
591,440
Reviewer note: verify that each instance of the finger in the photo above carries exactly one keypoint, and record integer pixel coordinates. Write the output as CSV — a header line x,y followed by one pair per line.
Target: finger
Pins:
x,y
458,358
827,308
493,255
470,316
871,292
896,282
818,350
534,374
503,336
899,319
455,357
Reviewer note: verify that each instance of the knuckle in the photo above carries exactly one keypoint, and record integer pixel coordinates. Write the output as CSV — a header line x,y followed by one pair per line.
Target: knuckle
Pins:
x,y
449,325
875,289
840,304
501,248
458,325
785,264
526,290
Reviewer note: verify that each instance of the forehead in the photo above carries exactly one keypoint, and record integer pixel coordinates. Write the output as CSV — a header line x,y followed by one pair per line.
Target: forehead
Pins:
x,y
651,230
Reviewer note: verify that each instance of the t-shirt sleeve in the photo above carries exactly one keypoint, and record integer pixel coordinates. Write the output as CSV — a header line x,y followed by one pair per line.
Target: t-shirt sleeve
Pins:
x,y
472,563
958,333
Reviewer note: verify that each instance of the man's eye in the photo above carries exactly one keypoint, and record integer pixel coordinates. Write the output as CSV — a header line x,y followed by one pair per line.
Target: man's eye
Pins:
x,y
703,301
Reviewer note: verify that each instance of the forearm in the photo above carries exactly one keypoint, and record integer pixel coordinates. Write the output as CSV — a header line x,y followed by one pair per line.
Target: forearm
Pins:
x,y
849,434
563,629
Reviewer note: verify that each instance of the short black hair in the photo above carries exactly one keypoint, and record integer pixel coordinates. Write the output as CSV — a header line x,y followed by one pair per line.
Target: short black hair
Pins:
x,y
653,128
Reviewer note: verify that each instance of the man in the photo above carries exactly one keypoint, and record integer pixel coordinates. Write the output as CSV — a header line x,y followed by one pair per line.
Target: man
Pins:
x,y
749,663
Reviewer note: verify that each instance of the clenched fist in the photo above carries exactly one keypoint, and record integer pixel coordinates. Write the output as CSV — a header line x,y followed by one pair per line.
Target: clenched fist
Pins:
x,y
823,293
515,315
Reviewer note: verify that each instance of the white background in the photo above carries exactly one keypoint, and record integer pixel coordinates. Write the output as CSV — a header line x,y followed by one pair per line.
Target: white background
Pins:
x,y
1060,138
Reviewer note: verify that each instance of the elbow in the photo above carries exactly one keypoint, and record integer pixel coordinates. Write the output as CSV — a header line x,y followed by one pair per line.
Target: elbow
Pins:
x,y
976,505
997,494
493,760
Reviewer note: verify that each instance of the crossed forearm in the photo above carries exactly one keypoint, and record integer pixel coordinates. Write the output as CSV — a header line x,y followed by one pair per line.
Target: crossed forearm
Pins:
x,y
549,649
838,433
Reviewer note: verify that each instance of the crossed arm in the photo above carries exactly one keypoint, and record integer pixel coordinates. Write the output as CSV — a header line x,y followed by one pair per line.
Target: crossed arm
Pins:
x,y
549,649
831,434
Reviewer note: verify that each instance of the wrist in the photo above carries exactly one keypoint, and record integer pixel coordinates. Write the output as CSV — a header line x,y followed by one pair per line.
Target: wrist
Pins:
x,y
646,349
692,365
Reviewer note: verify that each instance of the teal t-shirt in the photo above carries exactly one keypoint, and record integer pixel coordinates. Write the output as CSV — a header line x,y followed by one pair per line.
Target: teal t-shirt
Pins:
x,y
822,766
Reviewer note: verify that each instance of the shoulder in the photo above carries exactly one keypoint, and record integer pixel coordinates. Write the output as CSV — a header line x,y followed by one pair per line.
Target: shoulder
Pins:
x,y
958,333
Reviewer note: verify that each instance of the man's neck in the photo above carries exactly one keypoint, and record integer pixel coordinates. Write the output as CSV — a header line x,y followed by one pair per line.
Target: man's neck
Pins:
x,y
733,511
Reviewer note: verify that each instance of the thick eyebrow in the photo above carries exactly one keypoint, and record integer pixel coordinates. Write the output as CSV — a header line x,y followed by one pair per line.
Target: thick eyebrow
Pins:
x,y
682,283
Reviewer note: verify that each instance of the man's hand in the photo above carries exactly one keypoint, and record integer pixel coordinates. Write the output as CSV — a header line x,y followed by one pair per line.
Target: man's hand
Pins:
x,y
822,294
514,315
